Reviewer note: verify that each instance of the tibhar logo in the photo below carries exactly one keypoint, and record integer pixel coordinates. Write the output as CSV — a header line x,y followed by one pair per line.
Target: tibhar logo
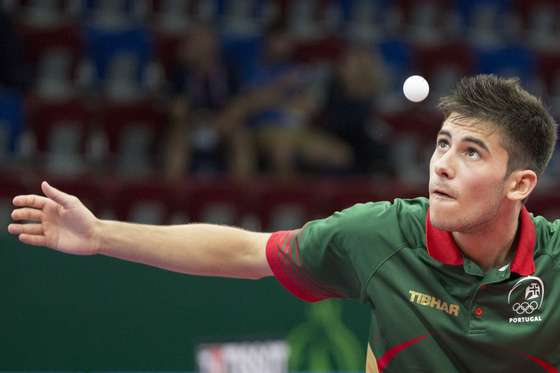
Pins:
x,y
433,302
526,297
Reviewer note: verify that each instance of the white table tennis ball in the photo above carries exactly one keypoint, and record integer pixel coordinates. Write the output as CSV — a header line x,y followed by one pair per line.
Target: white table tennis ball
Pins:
x,y
416,88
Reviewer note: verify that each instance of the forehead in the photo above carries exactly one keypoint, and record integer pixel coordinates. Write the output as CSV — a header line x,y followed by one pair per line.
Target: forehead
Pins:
x,y
465,129
461,124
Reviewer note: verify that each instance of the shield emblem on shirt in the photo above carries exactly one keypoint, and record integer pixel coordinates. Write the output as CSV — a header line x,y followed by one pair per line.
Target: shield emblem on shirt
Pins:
x,y
526,298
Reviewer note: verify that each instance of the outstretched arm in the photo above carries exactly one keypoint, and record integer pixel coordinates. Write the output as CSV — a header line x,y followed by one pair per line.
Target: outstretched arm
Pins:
x,y
61,222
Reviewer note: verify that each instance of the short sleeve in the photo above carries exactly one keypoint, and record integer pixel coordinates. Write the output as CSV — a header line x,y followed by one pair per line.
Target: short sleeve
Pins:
x,y
335,257
548,236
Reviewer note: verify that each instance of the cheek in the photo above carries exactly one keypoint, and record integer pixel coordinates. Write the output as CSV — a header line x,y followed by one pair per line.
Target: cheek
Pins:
x,y
432,160
483,187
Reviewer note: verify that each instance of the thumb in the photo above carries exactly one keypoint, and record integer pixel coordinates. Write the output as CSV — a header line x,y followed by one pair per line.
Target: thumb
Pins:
x,y
56,195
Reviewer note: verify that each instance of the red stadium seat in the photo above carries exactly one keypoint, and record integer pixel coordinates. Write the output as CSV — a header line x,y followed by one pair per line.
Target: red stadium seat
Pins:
x,y
427,60
525,9
38,40
219,201
545,203
419,123
346,193
61,130
320,50
340,196
167,47
46,115
146,201
549,69
426,21
287,206
132,130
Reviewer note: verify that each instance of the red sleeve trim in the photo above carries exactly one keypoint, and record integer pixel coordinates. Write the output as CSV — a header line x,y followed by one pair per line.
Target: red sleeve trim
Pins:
x,y
549,368
287,267
392,352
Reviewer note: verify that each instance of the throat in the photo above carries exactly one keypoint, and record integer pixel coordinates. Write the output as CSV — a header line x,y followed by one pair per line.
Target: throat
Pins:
x,y
491,250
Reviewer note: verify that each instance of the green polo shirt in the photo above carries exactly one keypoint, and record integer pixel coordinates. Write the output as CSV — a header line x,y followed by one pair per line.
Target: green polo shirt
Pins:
x,y
432,310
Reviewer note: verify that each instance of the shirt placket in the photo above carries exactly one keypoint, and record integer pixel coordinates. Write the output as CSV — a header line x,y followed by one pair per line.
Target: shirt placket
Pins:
x,y
477,308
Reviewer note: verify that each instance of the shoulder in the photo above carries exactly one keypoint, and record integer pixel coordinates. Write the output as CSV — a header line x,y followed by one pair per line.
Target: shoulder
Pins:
x,y
397,222
399,209
547,235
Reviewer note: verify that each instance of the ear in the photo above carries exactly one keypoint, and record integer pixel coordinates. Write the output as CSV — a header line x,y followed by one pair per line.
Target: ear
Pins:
x,y
521,184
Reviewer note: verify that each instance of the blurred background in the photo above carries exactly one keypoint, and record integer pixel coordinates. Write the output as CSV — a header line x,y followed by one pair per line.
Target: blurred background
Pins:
x,y
257,113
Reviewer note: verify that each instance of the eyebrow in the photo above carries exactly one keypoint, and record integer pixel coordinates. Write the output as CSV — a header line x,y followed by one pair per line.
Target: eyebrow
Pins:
x,y
474,140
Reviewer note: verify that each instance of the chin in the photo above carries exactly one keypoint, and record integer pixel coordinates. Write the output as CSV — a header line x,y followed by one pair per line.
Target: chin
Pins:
x,y
443,217
447,226
454,221
442,223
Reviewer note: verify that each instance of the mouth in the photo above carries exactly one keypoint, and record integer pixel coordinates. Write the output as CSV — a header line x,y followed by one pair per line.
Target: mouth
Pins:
x,y
442,195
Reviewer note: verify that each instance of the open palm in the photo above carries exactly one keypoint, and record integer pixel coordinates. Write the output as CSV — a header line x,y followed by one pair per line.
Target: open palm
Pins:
x,y
57,220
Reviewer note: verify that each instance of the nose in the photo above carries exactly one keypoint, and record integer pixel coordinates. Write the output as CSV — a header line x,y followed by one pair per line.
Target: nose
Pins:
x,y
443,166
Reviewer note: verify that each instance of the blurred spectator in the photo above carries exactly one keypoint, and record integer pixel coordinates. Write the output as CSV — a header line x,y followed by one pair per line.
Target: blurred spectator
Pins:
x,y
262,108
13,73
202,86
14,80
349,112
286,144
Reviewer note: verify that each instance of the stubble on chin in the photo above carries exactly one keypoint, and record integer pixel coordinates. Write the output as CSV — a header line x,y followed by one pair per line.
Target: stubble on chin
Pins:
x,y
442,223
454,222
447,219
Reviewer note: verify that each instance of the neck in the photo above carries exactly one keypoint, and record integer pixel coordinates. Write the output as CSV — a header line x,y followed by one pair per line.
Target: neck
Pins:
x,y
492,244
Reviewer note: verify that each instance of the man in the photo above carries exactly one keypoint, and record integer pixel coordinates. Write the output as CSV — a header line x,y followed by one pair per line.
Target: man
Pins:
x,y
456,283
202,89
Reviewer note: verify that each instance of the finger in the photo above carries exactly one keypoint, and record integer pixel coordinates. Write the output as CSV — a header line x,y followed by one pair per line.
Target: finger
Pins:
x,y
56,195
27,214
30,200
31,239
25,228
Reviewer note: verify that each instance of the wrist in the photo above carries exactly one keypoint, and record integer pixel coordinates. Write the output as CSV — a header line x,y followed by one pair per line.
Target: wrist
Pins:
x,y
99,226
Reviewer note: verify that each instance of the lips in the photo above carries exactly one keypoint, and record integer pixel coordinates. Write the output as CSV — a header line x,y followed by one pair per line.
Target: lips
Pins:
x,y
443,193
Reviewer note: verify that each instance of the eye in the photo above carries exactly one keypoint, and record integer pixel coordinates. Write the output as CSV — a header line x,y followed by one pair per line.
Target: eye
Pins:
x,y
442,144
472,153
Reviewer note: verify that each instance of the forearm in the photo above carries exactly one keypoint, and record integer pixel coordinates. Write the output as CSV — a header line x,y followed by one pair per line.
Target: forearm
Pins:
x,y
196,249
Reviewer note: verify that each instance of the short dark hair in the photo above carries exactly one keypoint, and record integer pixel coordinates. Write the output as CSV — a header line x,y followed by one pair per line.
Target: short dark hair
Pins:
x,y
529,129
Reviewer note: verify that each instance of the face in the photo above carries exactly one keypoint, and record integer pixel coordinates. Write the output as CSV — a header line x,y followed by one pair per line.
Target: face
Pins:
x,y
467,175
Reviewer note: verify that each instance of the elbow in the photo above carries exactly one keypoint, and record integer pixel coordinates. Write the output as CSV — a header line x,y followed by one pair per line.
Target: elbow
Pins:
x,y
256,267
260,276
255,262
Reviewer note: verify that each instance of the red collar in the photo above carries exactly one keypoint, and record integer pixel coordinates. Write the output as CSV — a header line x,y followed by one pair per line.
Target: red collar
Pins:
x,y
443,248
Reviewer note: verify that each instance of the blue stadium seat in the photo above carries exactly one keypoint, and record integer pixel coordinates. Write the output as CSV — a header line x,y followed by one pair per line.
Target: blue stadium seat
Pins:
x,y
102,45
242,53
514,60
11,120
466,8
485,22
428,60
397,56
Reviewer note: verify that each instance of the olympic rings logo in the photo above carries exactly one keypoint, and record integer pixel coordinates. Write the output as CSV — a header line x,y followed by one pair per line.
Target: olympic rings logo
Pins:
x,y
525,307
531,288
